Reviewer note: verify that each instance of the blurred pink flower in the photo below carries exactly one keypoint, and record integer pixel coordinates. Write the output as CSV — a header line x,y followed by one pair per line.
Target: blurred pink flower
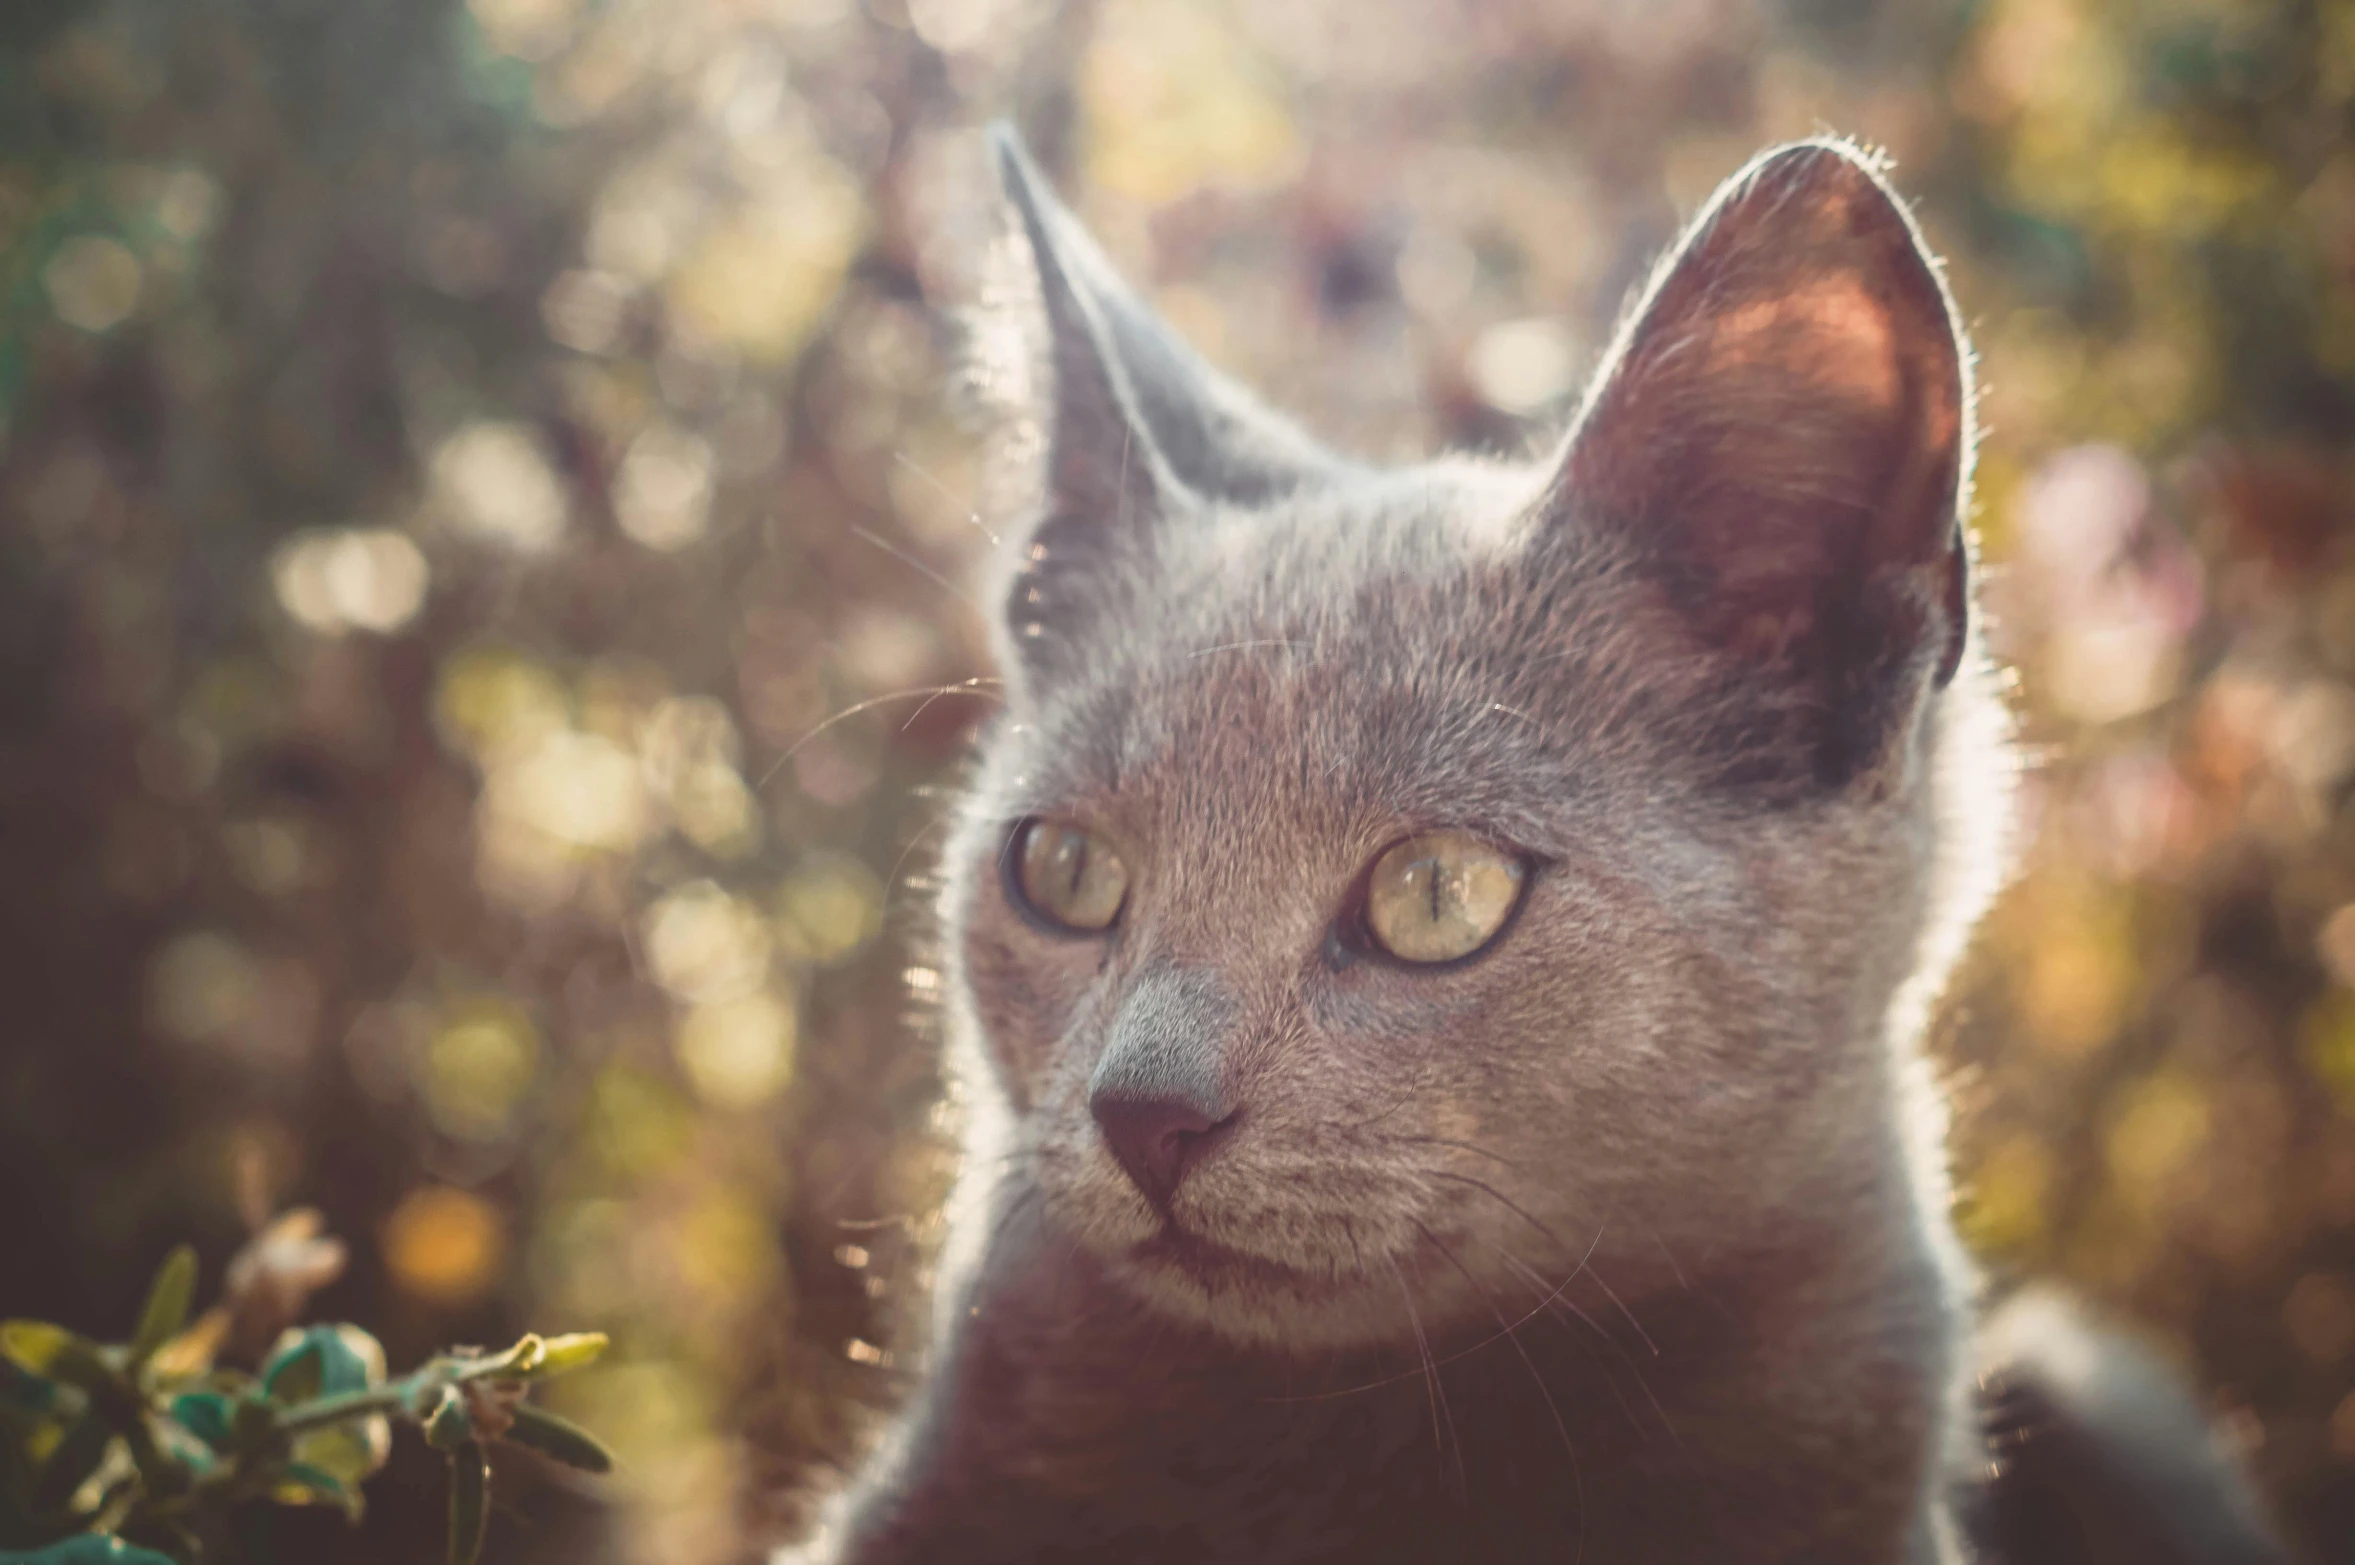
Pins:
x,y
2103,583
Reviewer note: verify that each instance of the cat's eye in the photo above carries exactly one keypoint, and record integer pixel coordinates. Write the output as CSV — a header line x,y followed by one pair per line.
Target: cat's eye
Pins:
x,y
1068,876
1441,896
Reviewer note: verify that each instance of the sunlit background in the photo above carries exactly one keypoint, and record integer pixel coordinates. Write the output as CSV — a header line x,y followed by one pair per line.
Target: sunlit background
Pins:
x,y
484,501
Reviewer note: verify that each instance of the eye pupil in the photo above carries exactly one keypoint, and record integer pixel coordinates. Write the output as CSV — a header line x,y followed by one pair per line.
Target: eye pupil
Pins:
x,y
1440,896
1067,876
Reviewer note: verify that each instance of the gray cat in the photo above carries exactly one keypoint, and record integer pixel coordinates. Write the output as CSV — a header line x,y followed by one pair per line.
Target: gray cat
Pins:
x,y
1438,961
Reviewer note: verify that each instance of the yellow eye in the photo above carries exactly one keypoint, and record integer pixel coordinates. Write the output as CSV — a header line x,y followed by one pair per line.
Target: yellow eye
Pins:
x,y
1069,875
1440,896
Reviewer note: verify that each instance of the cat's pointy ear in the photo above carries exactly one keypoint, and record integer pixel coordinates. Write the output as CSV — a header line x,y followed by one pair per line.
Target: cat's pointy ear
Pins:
x,y
1102,466
1783,432
1122,377
1138,429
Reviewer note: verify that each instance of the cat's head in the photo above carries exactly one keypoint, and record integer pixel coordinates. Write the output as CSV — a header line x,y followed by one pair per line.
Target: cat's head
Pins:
x,y
1409,882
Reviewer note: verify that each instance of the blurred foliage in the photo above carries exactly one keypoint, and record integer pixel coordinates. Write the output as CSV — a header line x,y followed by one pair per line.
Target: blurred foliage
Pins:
x,y
479,526
150,1451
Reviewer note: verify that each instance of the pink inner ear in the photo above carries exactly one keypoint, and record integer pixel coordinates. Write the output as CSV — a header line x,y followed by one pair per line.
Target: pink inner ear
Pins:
x,y
1798,396
1780,441
1828,334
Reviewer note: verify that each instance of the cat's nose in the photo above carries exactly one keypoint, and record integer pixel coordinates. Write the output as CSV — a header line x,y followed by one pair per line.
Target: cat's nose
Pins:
x,y
1158,1090
1156,1138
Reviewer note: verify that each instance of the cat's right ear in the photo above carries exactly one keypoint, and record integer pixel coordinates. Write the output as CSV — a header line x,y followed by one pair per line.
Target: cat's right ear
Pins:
x,y
1139,433
1782,439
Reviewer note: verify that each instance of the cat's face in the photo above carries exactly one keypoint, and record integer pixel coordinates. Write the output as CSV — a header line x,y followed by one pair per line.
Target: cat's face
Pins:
x,y
1394,891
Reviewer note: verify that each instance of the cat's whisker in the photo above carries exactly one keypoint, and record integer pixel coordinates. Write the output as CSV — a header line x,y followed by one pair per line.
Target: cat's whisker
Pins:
x,y
1460,1146
1431,1381
1501,1198
869,535
1513,1207
1514,711
1553,1296
892,881
1608,1292
972,517
1577,1480
973,687
1401,1101
1616,1346
1626,1314
1568,1312
1669,1256
1244,646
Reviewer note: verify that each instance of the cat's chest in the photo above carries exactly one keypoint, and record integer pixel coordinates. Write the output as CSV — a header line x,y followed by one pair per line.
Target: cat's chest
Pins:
x,y
1116,1440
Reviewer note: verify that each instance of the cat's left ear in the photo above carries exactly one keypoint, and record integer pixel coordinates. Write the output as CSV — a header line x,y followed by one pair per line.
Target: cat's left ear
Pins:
x,y
1139,431
1782,435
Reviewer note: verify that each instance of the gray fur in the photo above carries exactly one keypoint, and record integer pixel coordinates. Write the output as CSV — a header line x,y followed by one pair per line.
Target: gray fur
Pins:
x,y
1627,1240
2105,1460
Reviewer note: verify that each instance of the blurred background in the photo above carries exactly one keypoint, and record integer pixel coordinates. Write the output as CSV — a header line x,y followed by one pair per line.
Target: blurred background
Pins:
x,y
484,518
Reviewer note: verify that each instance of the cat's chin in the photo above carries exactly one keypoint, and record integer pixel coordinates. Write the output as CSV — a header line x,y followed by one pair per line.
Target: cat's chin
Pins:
x,y
1253,1301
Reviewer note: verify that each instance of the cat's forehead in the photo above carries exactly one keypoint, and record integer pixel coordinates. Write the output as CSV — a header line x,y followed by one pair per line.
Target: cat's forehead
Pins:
x,y
1310,575
1327,544
1346,659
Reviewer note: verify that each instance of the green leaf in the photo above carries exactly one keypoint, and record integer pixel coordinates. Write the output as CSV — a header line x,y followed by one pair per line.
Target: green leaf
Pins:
x,y
21,1389
167,1305
348,1451
470,1496
77,1456
347,1359
208,1415
297,1374
35,1344
448,1426
85,1550
355,1360
573,1350
300,1483
560,1438
57,1353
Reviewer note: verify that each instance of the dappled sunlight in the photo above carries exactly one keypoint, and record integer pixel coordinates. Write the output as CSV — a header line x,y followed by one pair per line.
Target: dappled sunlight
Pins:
x,y
361,579
703,944
495,492
492,481
738,1052
663,492
477,1068
93,283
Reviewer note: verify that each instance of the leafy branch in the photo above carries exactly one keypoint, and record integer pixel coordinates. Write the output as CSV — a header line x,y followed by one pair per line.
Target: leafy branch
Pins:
x,y
141,1452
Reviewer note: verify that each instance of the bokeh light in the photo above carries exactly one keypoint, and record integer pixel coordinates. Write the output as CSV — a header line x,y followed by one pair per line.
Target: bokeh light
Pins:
x,y
486,623
444,1246
93,282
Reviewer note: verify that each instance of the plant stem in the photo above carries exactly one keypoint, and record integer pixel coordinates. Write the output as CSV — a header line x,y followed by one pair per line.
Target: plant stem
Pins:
x,y
392,1397
404,1395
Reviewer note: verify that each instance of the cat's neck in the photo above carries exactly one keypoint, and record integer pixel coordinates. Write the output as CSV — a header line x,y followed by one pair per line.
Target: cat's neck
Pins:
x,y
1780,1405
